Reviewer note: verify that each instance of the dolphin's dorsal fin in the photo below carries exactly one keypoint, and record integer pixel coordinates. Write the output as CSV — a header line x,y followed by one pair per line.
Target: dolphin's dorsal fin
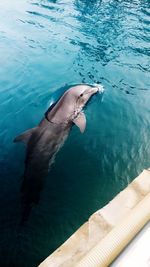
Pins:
x,y
24,137
80,121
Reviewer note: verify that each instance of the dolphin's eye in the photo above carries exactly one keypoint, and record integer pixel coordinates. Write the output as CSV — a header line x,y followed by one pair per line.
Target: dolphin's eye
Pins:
x,y
81,95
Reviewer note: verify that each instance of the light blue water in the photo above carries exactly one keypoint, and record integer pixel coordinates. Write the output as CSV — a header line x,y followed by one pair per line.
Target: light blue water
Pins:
x,y
45,45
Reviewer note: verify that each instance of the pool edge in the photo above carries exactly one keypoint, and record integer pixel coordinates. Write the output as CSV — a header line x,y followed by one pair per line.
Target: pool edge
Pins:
x,y
79,246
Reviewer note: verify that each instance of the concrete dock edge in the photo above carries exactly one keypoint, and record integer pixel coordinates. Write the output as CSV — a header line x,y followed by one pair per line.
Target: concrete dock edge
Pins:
x,y
101,224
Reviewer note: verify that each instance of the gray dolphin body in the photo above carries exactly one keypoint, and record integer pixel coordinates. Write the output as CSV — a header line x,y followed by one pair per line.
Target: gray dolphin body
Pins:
x,y
44,141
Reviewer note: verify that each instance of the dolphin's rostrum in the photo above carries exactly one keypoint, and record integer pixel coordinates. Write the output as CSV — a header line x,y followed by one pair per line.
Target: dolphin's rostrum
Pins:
x,y
44,141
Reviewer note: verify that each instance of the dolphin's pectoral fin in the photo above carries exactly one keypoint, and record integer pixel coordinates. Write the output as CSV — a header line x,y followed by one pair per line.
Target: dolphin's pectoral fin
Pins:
x,y
80,121
24,137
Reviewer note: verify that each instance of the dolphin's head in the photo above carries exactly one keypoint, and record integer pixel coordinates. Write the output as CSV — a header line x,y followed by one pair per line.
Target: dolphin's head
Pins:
x,y
68,108
81,94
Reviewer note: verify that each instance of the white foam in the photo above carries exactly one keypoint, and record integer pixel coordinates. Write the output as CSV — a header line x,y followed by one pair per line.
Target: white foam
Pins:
x,y
100,87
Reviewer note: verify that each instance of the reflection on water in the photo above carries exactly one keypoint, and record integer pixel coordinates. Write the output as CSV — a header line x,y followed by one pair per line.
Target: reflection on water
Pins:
x,y
46,45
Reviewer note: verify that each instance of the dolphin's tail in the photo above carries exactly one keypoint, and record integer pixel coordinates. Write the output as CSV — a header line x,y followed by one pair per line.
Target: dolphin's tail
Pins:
x,y
31,188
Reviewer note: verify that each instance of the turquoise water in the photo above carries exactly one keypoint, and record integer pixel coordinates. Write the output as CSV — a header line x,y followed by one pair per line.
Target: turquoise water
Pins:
x,y
44,46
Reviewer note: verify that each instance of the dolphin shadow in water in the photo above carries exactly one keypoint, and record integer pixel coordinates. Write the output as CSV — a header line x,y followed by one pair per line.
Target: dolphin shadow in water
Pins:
x,y
45,140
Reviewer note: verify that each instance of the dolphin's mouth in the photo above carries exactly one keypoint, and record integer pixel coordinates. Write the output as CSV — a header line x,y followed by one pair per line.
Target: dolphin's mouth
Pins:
x,y
99,87
95,88
100,90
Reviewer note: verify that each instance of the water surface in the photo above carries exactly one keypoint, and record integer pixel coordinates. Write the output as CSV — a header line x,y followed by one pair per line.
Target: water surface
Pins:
x,y
47,45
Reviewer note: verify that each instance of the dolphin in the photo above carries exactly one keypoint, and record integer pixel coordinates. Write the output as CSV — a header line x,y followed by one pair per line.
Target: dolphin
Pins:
x,y
45,140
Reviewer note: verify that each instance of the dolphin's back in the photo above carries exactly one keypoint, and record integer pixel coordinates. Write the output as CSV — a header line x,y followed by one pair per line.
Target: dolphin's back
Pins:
x,y
42,147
